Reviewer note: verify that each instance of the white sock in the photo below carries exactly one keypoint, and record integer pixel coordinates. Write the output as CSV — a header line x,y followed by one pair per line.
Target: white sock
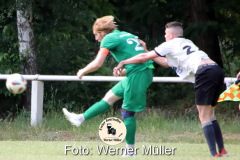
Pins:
x,y
81,117
133,147
129,145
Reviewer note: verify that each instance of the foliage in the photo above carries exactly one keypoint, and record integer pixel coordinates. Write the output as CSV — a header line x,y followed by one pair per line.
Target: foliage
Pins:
x,y
10,60
229,21
65,43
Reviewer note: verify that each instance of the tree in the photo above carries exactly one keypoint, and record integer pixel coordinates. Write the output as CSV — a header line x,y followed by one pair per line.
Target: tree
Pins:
x,y
65,43
26,44
204,28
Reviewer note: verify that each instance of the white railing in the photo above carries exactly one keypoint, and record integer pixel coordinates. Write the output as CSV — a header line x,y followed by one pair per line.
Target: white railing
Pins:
x,y
38,88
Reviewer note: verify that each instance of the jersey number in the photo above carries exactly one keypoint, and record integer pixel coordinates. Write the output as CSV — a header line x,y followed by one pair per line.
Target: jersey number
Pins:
x,y
138,46
189,51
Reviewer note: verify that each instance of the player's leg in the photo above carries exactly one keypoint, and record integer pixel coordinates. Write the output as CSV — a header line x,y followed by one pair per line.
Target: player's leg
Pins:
x,y
130,123
98,108
204,91
122,89
219,138
220,87
134,100
209,80
102,106
205,116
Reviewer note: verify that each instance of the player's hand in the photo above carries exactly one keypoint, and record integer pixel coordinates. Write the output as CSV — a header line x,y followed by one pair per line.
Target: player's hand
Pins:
x,y
117,70
80,74
143,45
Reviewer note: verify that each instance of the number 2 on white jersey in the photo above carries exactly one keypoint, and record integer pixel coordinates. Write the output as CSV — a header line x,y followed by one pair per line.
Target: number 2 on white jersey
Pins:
x,y
188,48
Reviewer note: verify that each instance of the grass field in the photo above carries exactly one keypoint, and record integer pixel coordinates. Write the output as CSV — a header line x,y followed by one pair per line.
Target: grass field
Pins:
x,y
20,141
53,150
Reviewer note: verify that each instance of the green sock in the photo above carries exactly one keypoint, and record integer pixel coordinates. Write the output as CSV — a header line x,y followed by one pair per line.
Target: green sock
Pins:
x,y
96,109
131,129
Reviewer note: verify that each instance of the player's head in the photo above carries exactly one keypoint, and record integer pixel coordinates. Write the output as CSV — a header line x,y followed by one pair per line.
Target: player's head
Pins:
x,y
173,30
103,26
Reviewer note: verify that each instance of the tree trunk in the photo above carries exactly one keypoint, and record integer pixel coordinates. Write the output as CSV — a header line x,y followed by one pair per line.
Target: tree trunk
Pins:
x,y
202,14
26,46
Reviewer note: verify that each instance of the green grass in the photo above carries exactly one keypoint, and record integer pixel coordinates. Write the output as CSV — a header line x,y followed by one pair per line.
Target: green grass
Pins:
x,y
53,150
19,140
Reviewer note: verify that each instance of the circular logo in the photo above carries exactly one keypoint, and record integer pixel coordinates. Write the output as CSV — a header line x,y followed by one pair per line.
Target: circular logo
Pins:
x,y
112,131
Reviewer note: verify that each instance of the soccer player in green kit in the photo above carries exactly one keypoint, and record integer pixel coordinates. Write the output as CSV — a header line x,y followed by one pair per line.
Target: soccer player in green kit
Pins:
x,y
122,45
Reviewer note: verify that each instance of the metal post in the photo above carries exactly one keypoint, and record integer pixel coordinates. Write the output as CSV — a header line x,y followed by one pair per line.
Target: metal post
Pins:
x,y
37,102
37,88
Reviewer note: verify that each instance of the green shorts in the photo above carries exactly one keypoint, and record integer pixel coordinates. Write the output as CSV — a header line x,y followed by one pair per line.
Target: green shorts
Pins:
x,y
133,90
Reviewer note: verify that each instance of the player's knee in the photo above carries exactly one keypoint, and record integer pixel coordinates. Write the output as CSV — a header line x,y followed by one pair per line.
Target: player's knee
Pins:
x,y
111,98
126,114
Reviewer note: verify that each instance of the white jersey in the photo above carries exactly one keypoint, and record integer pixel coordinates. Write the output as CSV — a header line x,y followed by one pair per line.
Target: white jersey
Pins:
x,y
183,56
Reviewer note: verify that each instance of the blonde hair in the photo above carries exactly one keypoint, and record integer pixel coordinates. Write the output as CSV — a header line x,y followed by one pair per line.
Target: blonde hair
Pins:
x,y
105,24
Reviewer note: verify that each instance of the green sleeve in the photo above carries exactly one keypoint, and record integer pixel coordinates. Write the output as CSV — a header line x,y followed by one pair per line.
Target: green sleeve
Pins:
x,y
109,42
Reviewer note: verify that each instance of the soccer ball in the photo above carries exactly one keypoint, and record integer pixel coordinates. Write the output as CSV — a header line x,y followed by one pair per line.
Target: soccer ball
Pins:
x,y
16,83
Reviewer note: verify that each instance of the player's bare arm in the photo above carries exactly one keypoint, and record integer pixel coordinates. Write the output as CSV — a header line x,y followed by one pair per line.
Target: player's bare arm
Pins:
x,y
162,61
238,75
92,66
140,58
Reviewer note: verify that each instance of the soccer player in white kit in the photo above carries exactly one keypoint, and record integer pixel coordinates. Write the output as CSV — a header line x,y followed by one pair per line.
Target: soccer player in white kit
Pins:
x,y
193,65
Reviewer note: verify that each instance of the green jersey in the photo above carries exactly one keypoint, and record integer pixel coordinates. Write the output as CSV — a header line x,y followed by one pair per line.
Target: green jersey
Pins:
x,y
123,45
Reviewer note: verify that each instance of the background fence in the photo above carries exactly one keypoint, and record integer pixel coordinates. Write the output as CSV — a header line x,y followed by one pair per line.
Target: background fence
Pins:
x,y
38,88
